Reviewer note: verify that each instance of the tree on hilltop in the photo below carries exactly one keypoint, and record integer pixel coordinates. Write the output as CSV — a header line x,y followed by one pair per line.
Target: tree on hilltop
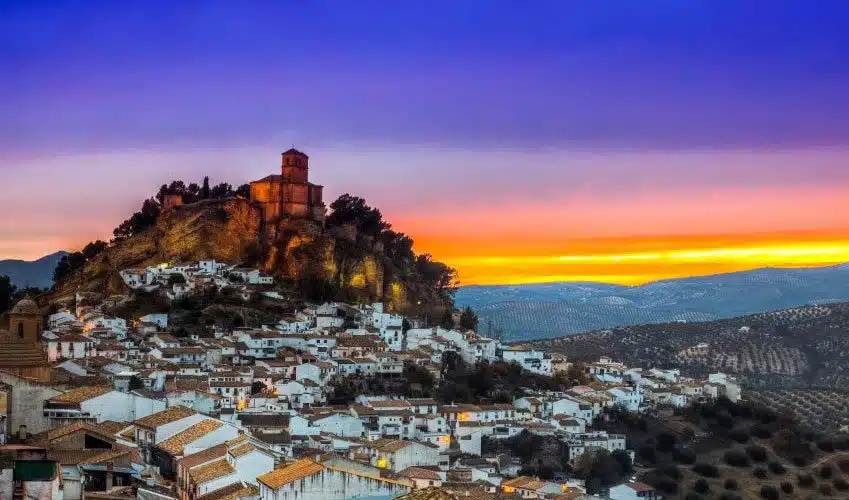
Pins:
x,y
204,190
7,292
468,319
353,210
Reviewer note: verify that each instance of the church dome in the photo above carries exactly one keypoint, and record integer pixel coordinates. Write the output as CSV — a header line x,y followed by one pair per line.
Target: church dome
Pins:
x,y
25,306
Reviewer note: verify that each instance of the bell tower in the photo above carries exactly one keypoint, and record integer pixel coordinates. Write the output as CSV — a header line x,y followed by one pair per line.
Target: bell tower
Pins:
x,y
295,166
25,322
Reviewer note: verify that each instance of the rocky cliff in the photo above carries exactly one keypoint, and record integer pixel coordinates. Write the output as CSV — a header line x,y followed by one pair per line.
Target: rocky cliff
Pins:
x,y
300,253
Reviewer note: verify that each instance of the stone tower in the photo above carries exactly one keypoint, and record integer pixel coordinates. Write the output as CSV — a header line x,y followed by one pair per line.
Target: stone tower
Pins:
x,y
295,167
25,321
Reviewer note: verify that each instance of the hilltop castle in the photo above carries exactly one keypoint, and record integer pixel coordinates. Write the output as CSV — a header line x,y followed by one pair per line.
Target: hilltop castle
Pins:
x,y
290,194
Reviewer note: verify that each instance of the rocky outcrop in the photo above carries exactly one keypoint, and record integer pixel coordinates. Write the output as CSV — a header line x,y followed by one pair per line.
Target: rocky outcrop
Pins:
x,y
232,231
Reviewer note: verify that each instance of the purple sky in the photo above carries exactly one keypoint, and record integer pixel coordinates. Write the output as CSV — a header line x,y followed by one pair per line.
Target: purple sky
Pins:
x,y
425,106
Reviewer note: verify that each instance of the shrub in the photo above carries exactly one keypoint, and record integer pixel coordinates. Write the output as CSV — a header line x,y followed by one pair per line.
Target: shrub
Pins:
x,y
787,487
663,483
800,461
777,468
826,472
825,445
693,496
670,471
739,435
759,473
844,465
666,442
730,496
761,432
757,453
684,456
805,481
736,458
701,486
647,454
769,492
826,490
840,484
706,470
730,484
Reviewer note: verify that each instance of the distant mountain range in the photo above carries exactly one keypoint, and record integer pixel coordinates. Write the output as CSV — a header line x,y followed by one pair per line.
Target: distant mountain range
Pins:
x,y
38,273
526,312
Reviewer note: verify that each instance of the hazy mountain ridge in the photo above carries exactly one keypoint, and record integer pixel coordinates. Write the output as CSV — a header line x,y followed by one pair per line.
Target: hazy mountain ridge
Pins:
x,y
555,309
37,273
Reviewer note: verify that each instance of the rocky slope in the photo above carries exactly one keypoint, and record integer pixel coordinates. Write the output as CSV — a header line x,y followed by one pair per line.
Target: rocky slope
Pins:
x,y
300,253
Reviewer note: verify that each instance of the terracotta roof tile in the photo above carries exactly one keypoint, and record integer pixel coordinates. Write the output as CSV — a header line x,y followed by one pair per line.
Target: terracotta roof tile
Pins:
x,y
298,470
173,414
211,471
80,394
175,444
232,492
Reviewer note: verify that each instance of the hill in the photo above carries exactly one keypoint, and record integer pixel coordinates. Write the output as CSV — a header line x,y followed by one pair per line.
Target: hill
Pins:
x,y
734,451
526,312
800,347
315,261
37,273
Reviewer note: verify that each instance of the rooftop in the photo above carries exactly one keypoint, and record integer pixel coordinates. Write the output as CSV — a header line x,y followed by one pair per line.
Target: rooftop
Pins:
x,y
175,444
298,470
211,471
151,422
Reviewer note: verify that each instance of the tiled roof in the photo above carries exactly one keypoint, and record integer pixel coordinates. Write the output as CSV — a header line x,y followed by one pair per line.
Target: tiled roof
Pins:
x,y
175,444
211,471
112,427
151,422
203,457
233,492
298,470
80,394
242,450
419,473
428,494
398,403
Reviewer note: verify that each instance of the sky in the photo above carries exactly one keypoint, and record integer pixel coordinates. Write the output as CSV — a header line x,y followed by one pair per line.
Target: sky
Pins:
x,y
520,142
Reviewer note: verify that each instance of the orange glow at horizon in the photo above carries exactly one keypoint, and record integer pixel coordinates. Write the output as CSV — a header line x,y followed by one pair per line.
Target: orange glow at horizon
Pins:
x,y
635,261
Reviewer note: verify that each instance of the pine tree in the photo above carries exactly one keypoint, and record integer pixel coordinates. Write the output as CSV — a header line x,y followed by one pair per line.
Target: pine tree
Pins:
x,y
204,191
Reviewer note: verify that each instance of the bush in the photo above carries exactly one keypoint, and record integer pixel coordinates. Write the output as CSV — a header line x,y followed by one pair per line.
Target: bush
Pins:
x,y
647,454
840,484
761,432
770,493
800,461
701,486
826,489
665,485
777,468
730,496
739,435
787,487
684,456
805,481
706,470
844,465
730,484
693,496
670,471
736,458
757,453
826,445
759,473
826,472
